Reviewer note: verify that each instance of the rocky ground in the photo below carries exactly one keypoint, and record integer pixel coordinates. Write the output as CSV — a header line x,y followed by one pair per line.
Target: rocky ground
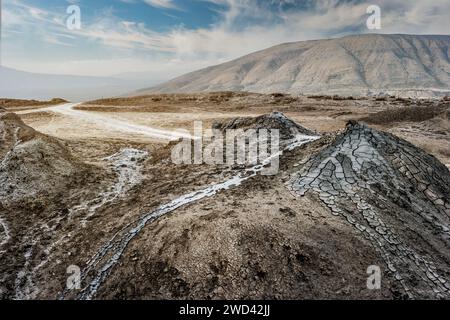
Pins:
x,y
348,196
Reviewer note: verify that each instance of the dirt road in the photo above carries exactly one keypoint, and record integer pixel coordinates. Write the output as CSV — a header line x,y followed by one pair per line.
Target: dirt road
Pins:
x,y
103,121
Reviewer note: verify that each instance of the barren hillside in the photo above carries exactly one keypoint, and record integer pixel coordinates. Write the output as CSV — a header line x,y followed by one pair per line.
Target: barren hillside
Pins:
x,y
407,65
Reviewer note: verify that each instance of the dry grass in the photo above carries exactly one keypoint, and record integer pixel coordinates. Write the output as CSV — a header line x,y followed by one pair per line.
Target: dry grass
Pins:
x,y
215,97
194,102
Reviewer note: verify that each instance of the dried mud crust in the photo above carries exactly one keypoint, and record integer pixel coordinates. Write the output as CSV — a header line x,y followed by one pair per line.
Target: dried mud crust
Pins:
x,y
251,242
39,181
91,220
396,195
257,244
32,164
257,240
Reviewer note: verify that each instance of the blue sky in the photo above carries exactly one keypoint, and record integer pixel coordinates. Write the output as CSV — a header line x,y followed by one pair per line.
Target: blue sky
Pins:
x,y
166,38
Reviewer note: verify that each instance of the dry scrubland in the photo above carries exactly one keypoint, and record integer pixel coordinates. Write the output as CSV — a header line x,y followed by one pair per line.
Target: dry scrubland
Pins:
x,y
298,234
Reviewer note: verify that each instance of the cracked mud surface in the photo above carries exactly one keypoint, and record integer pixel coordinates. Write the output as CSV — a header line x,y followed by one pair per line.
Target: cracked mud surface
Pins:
x,y
140,227
394,194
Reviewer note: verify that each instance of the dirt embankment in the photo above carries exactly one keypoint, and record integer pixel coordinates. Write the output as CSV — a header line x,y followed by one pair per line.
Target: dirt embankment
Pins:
x,y
19,105
425,124
32,163
40,180
409,114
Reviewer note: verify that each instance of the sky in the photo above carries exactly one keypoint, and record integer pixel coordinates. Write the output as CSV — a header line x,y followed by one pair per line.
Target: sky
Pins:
x,y
161,39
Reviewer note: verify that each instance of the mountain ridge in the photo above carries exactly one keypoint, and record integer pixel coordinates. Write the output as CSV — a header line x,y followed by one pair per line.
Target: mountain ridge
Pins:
x,y
401,64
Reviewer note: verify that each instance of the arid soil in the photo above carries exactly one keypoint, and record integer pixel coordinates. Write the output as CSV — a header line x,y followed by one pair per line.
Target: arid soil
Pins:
x,y
140,227
423,122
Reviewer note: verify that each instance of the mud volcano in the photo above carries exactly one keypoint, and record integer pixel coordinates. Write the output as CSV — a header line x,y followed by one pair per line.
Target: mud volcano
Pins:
x,y
276,120
396,195
32,163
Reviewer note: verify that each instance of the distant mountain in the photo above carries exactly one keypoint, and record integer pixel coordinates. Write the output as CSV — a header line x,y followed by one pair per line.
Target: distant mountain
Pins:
x,y
23,85
409,65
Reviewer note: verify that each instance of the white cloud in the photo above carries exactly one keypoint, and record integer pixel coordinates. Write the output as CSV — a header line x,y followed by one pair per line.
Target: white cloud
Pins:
x,y
166,4
181,50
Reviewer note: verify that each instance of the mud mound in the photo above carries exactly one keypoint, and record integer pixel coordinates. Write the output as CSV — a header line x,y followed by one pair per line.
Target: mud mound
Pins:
x,y
275,120
396,195
12,129
31,163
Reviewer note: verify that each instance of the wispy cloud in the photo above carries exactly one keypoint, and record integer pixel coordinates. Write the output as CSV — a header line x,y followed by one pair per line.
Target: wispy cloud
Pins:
x,y
166,4
163,4
244,26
